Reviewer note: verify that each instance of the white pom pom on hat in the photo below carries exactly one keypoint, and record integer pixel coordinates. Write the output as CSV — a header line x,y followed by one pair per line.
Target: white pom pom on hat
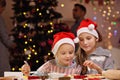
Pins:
x,y
61,38
76,40
88,26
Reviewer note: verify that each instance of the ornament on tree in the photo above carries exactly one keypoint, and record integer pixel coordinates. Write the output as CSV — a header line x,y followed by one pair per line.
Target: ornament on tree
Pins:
x,y
31,26
43,43
21,35
47,11
50,41
27,52
32,3
27,15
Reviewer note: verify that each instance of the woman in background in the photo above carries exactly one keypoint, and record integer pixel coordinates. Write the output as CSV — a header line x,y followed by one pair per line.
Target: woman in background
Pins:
x,y
5,43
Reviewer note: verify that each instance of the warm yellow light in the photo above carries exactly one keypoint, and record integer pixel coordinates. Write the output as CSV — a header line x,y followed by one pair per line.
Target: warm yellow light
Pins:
x,y
34,46
33,50
37,9
29,55
62,5
25,36
40,14
25,25
104,11
26,42
30,39
51,31
25,49
104,3
24,13
35,53
48,53
109,28
51,23
108,14
37,61
13,69
28,58
19,69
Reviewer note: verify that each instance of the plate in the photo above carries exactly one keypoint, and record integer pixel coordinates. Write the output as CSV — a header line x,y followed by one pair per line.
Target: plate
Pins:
x,y
55,75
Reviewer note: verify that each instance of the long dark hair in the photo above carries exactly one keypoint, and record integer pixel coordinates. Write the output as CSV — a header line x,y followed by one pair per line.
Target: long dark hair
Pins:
x,y
81,56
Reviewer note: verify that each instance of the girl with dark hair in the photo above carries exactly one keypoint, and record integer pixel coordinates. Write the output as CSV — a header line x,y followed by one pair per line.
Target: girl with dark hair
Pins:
x,y
92,58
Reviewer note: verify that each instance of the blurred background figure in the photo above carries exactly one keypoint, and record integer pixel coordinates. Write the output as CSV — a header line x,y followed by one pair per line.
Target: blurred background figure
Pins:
x,y
79,12
5,43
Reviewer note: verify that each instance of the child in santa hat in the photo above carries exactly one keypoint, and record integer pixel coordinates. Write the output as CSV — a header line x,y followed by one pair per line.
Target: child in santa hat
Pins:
x,y
63,49
93,59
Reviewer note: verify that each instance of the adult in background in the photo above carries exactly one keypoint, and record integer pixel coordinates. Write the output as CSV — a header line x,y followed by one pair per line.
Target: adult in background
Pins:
x,y
5,43
79,12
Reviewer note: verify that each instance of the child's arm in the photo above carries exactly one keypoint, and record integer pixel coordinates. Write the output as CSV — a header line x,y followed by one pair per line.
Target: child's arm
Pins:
x,y
43,70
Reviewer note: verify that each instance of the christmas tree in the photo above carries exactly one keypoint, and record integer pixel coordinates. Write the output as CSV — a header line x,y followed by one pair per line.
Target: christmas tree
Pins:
x,y
35,23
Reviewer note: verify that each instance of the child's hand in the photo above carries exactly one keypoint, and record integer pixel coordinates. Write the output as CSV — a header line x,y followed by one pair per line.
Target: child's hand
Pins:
x,y
25,69
92,65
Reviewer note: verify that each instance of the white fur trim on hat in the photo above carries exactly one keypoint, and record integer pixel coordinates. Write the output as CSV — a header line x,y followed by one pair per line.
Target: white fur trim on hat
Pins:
x,y
60,42
86,29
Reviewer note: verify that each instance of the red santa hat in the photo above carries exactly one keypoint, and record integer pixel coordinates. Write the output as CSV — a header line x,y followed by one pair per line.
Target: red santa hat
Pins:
x,y
88,26
61,38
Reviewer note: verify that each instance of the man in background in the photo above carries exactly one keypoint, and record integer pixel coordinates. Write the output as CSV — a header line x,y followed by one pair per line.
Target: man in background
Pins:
x,y
79,12
5,43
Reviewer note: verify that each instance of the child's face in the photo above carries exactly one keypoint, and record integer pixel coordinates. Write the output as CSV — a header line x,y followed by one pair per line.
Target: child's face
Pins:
x,y
25,70
87,42
65,54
